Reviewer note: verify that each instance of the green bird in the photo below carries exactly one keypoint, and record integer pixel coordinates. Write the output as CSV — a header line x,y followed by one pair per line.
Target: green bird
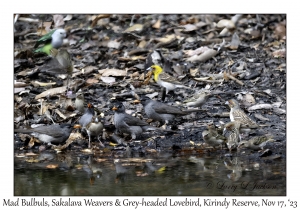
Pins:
x,y
54,39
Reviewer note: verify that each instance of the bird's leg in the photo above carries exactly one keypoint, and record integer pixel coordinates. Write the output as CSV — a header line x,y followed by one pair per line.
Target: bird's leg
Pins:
x,y
100,142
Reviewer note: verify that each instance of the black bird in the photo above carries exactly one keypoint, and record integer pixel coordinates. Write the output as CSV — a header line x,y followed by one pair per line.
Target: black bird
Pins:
x,y
53,134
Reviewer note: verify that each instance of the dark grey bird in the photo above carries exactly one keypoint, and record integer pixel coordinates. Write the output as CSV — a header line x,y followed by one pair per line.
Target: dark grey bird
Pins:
x,y
162,112
87,116
53,134
128,124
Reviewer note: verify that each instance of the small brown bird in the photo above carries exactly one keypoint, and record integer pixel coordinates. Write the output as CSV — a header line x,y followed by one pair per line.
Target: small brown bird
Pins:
x,y
197,100
256,143
231,131
237,114
212,140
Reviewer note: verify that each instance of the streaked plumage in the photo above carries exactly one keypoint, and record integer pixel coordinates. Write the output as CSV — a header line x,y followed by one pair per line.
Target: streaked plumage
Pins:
x,y
231,132
237,114
212,140
197,100
256,143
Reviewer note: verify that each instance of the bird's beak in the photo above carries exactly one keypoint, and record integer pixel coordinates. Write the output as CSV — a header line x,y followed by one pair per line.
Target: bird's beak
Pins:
x,y
150,68
226,102
77,126
114,108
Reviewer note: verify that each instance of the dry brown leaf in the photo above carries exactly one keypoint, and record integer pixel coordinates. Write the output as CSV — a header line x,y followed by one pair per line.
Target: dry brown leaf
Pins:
x,y
135,28
108,80
18,90
203,57
68,17
167,39
279,53
27,72
196,51
98,18
235,42
280,31
19,84
60,114
51,92
42,84
113,44
92,81
156,24
112,72
58,21
44,29
193,72
189,27
52,166
224,23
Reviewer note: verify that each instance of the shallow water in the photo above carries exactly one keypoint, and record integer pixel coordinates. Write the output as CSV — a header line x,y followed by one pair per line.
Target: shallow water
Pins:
x,y
152,175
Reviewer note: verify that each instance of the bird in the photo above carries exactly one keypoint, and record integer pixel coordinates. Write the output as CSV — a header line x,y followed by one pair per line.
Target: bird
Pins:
x,y
256,143
51,134
165,80
128,124
60,63
94,128
162,112
53,39
237,114
197,100
215,133
79,101
87,116
212,140
232,133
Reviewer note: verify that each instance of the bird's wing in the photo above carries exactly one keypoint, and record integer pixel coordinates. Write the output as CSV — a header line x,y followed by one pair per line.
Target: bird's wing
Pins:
x,y
53,67
168,78
162,108
240,116
52,130
44,39
133,121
